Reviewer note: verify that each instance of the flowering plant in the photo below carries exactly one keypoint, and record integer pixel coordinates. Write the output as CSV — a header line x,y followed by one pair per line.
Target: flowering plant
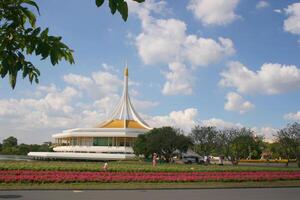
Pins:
x,y
8,176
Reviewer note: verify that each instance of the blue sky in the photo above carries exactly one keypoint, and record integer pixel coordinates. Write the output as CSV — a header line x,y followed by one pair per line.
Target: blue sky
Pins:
x,y
209,62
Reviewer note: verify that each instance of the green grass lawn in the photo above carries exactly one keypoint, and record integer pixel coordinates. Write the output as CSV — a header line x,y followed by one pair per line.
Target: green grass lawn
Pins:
x,y
130,166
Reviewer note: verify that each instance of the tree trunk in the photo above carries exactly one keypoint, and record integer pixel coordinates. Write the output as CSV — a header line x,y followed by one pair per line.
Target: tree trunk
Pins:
x,y
234,161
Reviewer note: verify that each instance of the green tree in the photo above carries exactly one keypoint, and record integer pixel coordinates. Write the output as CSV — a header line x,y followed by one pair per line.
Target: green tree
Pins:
x,y
204,139
257,147
10,142
164,141
23,149
10,150
46,147
276,149
10,146
289,140
20,38
236,143
140,146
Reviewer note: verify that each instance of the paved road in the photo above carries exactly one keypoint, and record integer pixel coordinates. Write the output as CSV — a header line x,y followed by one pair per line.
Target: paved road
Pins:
x,y
193,194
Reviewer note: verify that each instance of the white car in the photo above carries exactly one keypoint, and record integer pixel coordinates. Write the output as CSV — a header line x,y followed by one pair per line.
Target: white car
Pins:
x,y
189,159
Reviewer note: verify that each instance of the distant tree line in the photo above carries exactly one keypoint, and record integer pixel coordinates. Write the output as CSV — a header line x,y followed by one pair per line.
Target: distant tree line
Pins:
x,y
10,146
233,144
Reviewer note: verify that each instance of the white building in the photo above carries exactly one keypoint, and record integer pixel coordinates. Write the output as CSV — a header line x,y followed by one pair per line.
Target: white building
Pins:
x,y
110,140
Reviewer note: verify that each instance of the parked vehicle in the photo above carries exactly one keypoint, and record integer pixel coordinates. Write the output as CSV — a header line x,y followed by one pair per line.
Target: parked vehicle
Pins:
x,y
189,159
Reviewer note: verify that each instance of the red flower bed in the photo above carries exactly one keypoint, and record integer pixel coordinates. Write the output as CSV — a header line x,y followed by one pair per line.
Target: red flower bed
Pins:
x,y
9,176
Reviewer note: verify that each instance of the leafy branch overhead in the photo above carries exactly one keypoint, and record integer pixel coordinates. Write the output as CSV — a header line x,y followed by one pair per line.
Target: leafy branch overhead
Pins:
x,y
118,5
19,37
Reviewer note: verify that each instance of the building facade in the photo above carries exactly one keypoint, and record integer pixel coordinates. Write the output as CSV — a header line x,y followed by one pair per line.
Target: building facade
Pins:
x,y
112,139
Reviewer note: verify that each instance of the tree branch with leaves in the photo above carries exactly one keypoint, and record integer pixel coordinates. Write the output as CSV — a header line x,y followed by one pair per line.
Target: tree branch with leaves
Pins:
x,y
20,38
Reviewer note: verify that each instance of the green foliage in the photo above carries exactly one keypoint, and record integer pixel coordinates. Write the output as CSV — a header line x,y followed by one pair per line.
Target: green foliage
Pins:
x,y
10,147
10,142
276,149
204,139
289,140
257,147
236,143
19,37
99,3
117,5
10,151
140,146
163,141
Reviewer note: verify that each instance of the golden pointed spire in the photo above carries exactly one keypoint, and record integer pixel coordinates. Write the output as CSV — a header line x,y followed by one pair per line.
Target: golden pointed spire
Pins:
x,y
126,69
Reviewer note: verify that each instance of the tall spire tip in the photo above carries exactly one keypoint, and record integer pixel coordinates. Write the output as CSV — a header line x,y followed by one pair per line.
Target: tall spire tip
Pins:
x,y
126,69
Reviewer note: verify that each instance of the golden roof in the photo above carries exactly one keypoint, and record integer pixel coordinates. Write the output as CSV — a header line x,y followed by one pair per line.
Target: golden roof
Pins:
x,y
124,116
117,123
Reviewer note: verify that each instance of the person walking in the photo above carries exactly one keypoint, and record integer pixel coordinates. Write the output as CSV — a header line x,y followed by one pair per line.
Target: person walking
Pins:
x,y
105,167
154,159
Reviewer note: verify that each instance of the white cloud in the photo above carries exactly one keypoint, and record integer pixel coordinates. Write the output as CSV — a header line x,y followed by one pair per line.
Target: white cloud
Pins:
x,y
262,4
33,119
56,101
145,9
214,12
179,80
110,68
166,41
78,80
204,51
106,104
46,89
188,118
107,82
161,41
53,109
292,116
292,23
277,11
184,119
270,79
133,92
236,102
98,85
144,105
268,133
219,123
